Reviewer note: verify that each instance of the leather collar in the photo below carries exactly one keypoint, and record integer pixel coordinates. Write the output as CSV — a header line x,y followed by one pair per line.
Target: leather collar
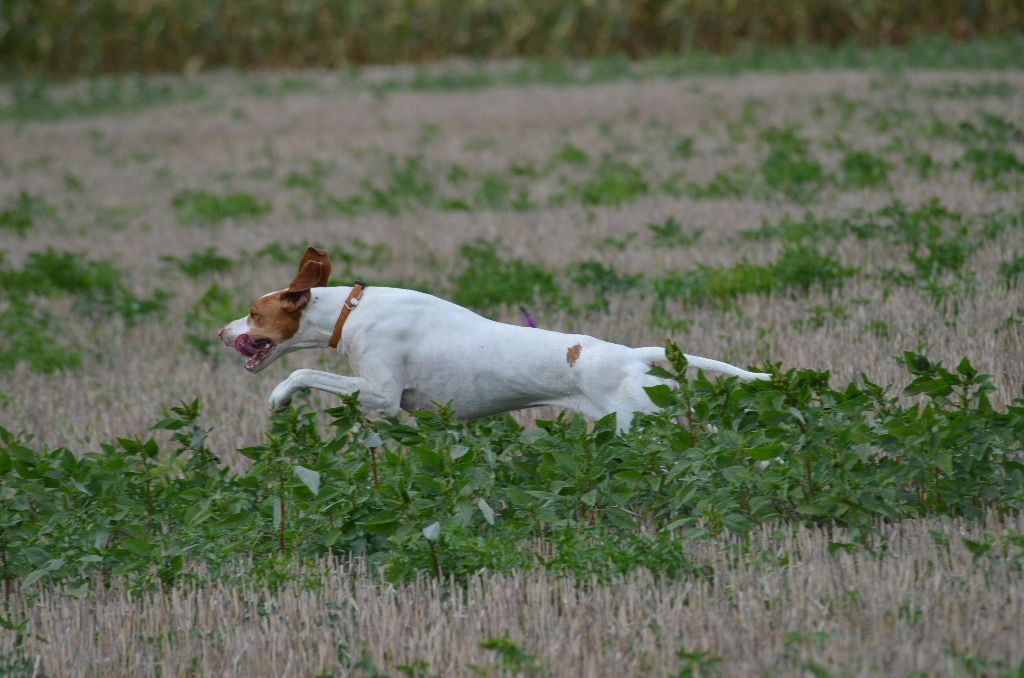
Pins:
x,y
350,303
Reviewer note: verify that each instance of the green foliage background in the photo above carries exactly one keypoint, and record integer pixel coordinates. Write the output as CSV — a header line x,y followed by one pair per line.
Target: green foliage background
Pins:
x,y
68,37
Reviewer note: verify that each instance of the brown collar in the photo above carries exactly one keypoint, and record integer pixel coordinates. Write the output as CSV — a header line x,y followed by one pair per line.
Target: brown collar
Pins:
x,y
351,302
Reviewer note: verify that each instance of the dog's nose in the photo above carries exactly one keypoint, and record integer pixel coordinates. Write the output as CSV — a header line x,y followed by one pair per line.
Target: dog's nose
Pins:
x,y
220,333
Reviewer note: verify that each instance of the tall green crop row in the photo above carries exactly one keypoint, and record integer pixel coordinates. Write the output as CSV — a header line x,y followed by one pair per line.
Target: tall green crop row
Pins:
x,y
69,37
437,496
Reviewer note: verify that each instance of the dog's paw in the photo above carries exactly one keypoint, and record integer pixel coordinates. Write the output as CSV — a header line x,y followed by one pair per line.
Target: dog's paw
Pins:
x,y
280,398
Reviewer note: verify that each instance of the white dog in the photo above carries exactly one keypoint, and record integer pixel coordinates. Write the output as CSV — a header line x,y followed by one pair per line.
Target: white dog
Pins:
x,y
410,350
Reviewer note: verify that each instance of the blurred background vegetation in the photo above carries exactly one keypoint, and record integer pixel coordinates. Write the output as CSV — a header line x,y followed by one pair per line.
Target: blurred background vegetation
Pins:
x,y
85,37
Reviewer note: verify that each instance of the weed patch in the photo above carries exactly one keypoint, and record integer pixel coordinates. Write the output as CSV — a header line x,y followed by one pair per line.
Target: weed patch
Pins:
x,y
31,337
33,100
97,287
735,183
488,281
1011,269
201,263
789,168
988,164
798,268
864,170
408,185
200,207
599,281
21,216
670,233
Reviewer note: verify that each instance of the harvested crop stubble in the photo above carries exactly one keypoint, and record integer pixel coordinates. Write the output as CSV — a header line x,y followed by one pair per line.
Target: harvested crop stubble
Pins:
x,y
922,605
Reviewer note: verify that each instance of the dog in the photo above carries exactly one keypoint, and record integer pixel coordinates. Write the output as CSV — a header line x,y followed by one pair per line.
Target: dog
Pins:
x,y
409,350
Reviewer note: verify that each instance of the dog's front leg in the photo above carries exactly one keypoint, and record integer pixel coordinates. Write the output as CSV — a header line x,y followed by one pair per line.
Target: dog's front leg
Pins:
x,y
382,398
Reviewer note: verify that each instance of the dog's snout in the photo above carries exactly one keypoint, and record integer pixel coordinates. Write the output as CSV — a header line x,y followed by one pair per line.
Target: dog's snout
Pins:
x,y
220,332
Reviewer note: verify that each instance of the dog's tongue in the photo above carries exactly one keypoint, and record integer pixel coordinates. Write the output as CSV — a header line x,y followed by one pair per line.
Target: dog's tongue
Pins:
x,y
245,345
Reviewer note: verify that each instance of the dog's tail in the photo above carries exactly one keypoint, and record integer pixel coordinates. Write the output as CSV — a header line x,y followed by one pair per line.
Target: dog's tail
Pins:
x,y
656,354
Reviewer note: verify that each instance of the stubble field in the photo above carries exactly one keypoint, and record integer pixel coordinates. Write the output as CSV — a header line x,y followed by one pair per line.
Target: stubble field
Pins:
x,y
826,220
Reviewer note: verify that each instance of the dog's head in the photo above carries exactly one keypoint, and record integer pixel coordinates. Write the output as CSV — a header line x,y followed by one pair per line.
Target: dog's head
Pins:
x,y
272,327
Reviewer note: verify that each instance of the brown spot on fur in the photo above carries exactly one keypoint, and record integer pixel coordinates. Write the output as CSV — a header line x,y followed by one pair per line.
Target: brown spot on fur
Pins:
x,y
276,316
573,354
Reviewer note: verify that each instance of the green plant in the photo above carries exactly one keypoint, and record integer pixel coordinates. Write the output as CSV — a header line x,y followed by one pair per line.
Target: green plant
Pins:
x,y
511,657
671,233
789,167
615,182
97,286
988,164
34,100
165,35
798,267
201,263
213,309
22,215
32,338
731,184
600,281
794,450
683,148
201,207
1011,269
488,281
862,169
409,184
570,154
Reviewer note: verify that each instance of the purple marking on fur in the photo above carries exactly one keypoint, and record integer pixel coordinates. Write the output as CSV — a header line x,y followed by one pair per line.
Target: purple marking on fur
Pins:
x,y
527,318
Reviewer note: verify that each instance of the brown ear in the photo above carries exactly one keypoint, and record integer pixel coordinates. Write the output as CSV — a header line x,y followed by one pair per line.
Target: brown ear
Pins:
x,y
292,301
312,254
309,277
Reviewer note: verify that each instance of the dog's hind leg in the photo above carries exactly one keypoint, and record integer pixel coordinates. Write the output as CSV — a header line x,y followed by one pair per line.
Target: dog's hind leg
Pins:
x,y
379,398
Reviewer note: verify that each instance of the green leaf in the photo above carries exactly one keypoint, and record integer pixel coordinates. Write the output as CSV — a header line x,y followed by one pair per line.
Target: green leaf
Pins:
x,y
965,368
834,546
929,387
675,357
139,547
34,576
485,509
764,453
79,591
432,531
381,518
944,461
813,510
661,372
660,395
458,452
977,548
168,425
676,524
309,478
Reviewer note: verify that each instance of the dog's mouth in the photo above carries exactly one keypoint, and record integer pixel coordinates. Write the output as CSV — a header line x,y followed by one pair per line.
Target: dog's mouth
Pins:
x,y
256,350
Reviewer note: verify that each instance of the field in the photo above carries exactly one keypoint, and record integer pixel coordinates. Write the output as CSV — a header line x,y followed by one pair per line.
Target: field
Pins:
x,y
842,227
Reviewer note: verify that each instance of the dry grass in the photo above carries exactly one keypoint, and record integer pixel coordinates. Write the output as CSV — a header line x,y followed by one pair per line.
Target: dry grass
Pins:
x,y
920,607
899,614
